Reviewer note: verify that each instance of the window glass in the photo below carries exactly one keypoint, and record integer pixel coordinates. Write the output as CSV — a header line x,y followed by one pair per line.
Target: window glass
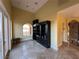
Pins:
x,y
26,30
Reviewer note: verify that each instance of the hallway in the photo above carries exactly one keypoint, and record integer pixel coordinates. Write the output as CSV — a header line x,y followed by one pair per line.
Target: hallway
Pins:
x,y
33,50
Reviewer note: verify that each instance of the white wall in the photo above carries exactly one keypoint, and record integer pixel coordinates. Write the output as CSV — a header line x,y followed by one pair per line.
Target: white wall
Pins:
x,y
18,30
54,35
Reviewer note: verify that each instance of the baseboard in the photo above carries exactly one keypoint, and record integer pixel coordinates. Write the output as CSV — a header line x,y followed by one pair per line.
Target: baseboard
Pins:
x,y
26,40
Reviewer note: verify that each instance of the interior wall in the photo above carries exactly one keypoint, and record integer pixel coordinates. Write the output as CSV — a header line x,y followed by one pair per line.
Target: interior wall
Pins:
x,y
19,18
62,26
50,9
60,30
48,12
54,35
64,17
7,5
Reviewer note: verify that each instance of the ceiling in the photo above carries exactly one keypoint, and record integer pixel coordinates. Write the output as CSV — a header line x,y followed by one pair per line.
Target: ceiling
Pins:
x,y
29,5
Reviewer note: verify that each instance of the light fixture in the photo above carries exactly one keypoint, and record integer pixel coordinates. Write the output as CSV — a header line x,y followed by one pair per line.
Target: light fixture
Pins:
x,y
27,6
36,3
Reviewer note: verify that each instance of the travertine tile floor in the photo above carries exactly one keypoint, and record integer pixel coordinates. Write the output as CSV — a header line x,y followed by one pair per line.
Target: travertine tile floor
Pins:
x,y
33,50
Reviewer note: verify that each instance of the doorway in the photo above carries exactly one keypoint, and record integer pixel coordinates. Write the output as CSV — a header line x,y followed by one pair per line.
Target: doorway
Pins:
x,y
74,32
27,31
4,35
65,31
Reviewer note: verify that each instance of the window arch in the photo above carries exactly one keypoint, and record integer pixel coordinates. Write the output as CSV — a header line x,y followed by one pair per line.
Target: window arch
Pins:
x,y
27,30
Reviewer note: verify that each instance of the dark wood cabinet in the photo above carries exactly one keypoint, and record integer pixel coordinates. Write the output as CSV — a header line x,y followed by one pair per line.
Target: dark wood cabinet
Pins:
x,y
41,33
74,32
15,42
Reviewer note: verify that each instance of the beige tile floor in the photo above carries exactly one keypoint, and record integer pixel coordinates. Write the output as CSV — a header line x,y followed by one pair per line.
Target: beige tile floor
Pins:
x,y
33,50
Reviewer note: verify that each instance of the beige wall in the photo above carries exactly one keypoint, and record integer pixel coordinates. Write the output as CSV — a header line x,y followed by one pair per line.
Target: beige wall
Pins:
x,y
63,18
20,17
49,12
7,4
50,9
60,21
63,26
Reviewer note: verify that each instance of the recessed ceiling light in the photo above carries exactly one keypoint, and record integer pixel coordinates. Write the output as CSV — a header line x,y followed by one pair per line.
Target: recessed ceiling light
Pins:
x,y
17,2
27,6
36,3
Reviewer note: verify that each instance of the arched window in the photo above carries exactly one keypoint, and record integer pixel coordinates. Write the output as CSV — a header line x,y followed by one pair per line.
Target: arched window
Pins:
x,y
27,30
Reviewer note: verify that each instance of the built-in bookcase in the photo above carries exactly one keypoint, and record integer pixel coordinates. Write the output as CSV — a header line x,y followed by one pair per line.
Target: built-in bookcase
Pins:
x,y
41,33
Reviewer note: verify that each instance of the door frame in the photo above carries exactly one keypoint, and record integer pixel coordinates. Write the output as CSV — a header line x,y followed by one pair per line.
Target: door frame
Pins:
x,y
4,10
2,34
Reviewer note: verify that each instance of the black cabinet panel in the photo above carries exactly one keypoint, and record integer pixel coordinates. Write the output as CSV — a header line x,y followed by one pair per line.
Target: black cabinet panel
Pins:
x,y
41,33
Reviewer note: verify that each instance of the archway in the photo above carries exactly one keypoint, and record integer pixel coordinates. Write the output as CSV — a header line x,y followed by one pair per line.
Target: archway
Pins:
x,y
74,32
27,31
